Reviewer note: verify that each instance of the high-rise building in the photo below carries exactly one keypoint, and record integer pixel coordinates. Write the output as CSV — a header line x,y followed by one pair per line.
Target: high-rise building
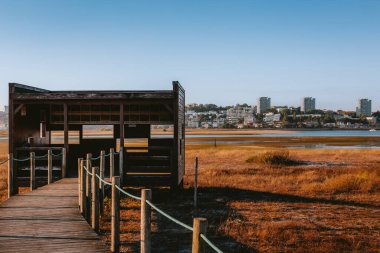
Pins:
x,y
6,109
307,104
263,104
364,107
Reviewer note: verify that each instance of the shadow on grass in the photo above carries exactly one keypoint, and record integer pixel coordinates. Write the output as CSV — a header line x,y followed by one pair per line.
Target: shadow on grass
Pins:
x,y
167,236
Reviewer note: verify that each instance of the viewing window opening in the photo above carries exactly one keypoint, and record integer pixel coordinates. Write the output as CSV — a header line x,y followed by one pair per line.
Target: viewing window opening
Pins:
x,y
97,131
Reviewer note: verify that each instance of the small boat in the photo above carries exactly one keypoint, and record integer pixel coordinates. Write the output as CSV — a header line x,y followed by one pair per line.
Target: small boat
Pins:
x,y
372,130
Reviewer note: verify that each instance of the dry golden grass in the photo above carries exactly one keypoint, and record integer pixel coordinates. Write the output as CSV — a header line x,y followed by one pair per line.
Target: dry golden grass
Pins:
x,y
328,202
3,170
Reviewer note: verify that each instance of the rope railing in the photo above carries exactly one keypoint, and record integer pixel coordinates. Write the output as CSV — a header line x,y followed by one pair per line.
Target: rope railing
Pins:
x,y
95,158
14,168
168,216
21,160
1,163
210,244
42,156
56,155
102,180
128,194
87,170
154,207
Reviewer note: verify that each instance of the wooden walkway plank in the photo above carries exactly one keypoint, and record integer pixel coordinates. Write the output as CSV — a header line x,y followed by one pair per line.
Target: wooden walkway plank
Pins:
x,y
47,220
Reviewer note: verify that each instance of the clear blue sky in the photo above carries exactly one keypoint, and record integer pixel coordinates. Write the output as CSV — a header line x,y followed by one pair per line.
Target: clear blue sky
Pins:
x,y
223,52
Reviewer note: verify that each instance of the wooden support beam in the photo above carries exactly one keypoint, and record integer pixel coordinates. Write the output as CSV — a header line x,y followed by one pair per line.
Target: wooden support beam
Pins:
x,y
121,165
83,189
10,175
50,167
101,184
65,137
145,242
32,171
95,200
64,163
112,162
199,227
121,136
115,216
80,184
18,108
88,188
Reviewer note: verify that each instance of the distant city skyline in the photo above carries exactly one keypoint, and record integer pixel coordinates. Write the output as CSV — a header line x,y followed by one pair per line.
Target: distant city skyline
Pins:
x,y
222,52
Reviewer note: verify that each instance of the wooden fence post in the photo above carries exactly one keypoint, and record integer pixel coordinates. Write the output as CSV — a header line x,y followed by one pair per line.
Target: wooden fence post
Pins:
x,y
112,163
199,227
101,184
10,175
79,184
88,188
50,167
32,171
83,189
121,165
64,162
145,243
115,216
95,199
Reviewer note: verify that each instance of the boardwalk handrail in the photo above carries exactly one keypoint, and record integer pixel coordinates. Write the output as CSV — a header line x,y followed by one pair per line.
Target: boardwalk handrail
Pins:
x,y
1,163
12,189
163,213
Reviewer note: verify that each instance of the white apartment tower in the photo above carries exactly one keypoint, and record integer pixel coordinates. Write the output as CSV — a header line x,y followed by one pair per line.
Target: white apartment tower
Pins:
x,y
307,104
364,107
263,104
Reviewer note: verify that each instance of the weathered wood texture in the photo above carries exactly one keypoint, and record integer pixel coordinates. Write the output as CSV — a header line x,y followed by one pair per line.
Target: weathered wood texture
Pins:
x,y
47,220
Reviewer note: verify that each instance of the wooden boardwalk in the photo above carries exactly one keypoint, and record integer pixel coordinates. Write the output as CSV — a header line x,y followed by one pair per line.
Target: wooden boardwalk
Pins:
x,y
47,220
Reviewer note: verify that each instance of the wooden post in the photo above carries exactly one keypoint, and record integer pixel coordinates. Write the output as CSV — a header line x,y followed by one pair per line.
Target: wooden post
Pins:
x,y
101,184
83,189
10,175
95,200
32,171
199,227
115,216
79,184
64,162
50,167
145,243
121,165
88,189
196,184
65,136
121,128
112,163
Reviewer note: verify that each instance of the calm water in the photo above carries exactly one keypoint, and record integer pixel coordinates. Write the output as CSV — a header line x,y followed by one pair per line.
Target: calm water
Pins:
x,y
322,133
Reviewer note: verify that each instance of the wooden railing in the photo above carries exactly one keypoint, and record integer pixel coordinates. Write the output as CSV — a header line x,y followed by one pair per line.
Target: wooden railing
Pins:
x,y
91,196
12,175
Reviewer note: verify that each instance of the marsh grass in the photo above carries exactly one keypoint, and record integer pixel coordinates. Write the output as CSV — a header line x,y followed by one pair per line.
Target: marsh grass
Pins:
x,y
278,157
255,199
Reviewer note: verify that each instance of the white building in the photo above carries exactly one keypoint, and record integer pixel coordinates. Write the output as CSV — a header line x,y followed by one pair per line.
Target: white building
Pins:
x,y
263,104
364,107
239,112
307,104
271,117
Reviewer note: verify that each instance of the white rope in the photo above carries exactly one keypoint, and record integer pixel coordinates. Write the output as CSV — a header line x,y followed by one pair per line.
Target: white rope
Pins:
x,y
126,193
168,216
104,181
210,244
